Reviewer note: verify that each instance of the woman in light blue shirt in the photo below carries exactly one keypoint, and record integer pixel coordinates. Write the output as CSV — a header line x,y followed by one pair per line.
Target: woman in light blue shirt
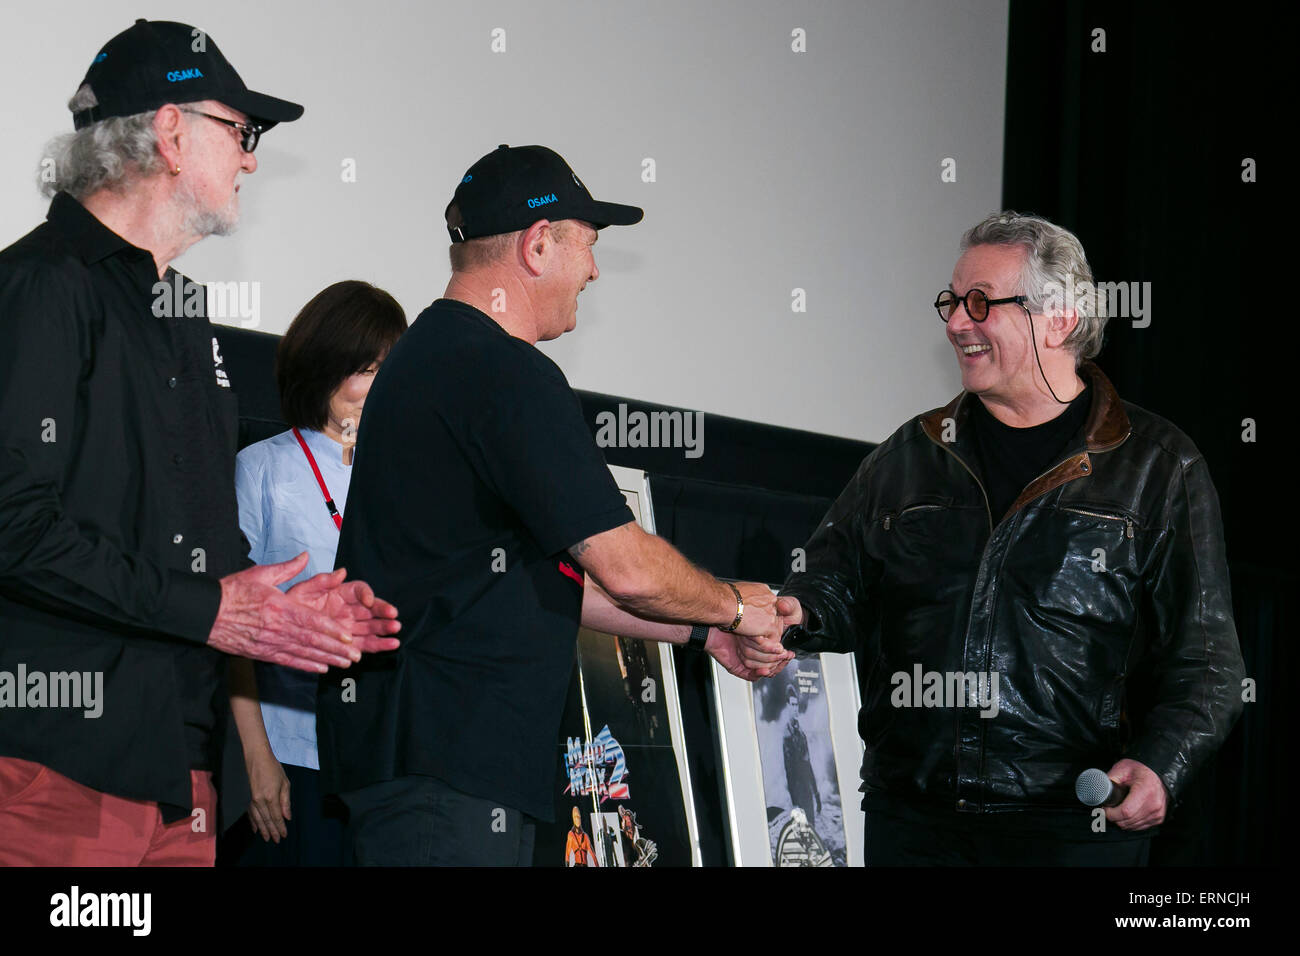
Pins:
x,y
292,492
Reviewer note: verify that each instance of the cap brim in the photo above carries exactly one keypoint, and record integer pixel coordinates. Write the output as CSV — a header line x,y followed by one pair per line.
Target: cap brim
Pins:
x,y
614,214
265,110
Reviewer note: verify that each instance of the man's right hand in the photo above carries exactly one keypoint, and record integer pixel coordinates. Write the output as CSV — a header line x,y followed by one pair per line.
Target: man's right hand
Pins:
x,y
759,645
756,652
759,618
257,621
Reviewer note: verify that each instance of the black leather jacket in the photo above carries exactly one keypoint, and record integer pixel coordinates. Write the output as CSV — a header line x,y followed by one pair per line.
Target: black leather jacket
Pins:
x,y
1101,600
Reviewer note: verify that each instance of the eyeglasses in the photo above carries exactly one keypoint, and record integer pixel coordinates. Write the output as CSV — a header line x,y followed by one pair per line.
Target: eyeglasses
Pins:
x,y
976,302
248,132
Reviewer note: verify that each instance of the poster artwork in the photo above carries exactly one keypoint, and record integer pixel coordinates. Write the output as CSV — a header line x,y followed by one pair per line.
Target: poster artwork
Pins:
x,y
597,774
800,782
619,795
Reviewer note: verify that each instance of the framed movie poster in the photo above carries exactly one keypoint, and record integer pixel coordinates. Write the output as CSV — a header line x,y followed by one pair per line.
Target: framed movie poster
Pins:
x,y
791,756
623,792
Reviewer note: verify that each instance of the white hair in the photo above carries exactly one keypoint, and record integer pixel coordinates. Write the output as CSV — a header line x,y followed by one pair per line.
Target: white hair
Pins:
x,y
1055,269
109,154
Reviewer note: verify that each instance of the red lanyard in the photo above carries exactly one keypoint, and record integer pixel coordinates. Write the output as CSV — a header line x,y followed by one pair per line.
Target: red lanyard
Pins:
x,y
329,502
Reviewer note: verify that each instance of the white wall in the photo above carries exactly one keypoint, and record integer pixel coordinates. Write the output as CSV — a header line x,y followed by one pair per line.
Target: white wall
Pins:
x,y
775,170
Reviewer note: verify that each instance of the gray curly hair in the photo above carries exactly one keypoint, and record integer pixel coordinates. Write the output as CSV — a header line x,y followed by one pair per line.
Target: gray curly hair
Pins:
x,y
1055,273
109,154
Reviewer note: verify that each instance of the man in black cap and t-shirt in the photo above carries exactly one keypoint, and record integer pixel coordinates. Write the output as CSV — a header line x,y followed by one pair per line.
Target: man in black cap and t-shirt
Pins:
x,y
478,500
120,551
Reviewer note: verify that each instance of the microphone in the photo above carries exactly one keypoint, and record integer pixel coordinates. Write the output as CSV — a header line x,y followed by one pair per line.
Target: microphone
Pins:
x,y
1095,789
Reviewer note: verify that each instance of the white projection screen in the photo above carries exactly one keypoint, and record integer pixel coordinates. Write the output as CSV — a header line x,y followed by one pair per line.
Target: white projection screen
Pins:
x,y
787,154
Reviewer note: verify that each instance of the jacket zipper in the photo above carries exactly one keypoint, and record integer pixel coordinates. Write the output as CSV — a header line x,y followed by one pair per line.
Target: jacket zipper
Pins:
x,y
988,509
1128,522
889,517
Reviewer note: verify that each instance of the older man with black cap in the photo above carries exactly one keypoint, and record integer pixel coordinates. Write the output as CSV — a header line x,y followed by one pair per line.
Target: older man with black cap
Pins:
x,y
120,551
478,499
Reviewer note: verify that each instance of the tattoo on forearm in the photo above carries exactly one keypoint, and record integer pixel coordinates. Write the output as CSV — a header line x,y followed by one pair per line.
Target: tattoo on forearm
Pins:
x,y
578,548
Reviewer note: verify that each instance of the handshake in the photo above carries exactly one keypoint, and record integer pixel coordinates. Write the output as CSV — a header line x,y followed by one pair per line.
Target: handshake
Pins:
x,y
754,651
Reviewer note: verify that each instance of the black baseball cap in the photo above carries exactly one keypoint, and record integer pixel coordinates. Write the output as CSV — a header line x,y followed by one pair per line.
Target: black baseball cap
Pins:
x,y
155,62
514,186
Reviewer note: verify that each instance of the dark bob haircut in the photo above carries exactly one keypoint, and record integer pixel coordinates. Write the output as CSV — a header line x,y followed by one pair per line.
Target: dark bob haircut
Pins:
x,y
343,330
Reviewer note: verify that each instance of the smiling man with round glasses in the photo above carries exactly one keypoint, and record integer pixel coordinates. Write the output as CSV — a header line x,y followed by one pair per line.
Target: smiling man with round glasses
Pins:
x,y
1048,544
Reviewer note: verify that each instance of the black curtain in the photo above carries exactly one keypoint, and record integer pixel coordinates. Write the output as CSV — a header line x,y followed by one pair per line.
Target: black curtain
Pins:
x,y
1134,138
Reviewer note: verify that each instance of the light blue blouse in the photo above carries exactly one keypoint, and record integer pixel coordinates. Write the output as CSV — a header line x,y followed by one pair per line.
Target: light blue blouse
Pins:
x,y
282,513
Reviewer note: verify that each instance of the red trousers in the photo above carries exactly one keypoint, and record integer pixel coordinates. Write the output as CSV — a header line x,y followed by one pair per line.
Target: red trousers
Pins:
x,y
48,820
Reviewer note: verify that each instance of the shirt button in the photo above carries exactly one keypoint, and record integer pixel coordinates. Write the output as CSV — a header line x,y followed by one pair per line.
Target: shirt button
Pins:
x,y
177,538
171,382
177,459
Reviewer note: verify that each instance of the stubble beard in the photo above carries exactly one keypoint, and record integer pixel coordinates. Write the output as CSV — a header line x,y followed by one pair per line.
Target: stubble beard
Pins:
x,y
201,222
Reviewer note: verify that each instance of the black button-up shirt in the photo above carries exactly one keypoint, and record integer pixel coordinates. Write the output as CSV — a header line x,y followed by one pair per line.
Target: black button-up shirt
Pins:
x,y
118,433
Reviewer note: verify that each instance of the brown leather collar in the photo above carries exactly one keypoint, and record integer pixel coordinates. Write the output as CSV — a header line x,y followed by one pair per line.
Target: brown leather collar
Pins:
x,y
1107,424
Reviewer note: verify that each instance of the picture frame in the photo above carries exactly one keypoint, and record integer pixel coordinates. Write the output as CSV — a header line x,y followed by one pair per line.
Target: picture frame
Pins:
x,y
624,772
759,772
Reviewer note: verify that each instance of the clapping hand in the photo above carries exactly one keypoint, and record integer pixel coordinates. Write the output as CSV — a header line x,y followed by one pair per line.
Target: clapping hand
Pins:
x,y
353,602
320,623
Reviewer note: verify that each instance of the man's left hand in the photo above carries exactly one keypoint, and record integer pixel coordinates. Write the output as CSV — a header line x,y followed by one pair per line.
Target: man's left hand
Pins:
x,y
353,602
1147,800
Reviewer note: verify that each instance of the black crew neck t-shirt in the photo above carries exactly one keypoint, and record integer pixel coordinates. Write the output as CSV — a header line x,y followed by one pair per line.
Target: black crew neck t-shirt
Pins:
x,y
1010,458
474,471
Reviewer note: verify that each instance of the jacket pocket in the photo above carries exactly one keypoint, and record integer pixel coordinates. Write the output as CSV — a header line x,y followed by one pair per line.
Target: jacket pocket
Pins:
x,y
888,521
1119,519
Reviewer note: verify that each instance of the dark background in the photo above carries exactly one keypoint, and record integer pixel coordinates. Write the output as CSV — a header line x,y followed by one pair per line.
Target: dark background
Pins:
x,y
1138,151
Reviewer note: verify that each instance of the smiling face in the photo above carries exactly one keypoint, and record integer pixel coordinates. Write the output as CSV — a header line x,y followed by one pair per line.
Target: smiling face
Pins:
x,y
575,266
996,356
210,167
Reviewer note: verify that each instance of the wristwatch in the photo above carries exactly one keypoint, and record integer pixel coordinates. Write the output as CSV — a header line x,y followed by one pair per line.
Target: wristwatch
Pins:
x,y
699,637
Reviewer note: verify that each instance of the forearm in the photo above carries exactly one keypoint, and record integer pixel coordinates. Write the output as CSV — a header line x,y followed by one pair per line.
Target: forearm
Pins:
x,y
827,620
648,577
1194,655
49,561
833,588
246,707
601,613
1198,699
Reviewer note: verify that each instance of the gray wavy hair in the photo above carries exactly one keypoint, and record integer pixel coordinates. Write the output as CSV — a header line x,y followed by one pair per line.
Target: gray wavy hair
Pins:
x,y
1055,273
109,154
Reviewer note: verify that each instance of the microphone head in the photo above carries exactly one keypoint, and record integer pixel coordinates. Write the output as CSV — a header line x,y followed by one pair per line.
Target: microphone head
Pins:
x,y
1093,787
